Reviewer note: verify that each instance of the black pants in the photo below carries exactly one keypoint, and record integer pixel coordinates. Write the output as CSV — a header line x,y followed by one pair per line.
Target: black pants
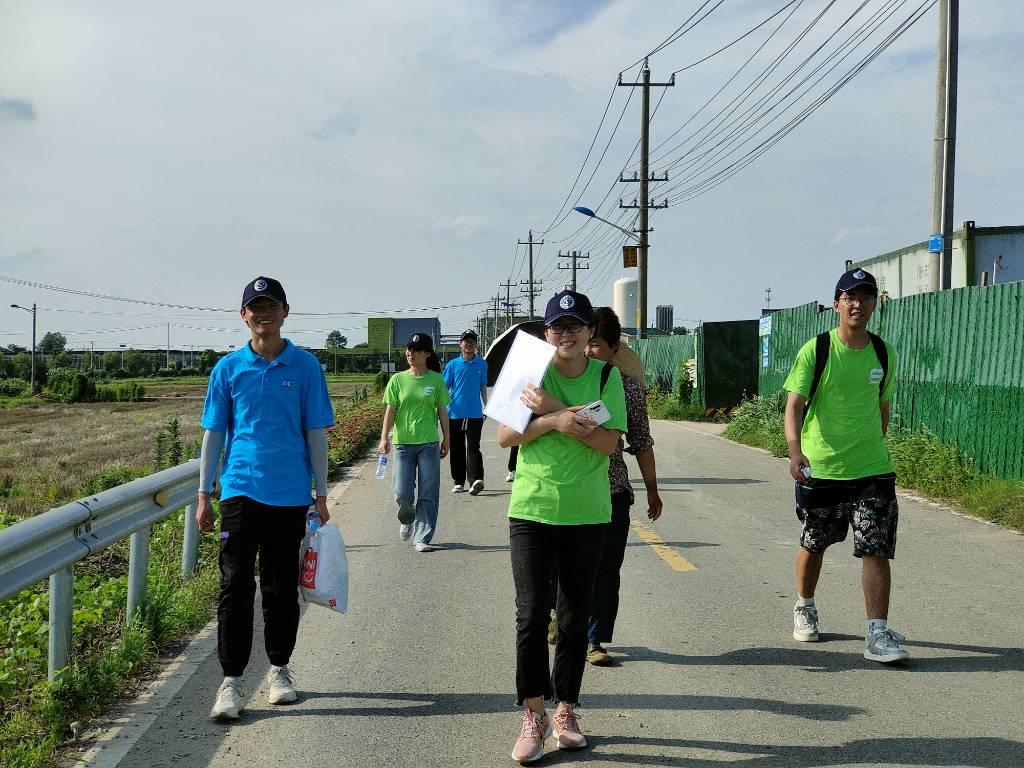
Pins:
x,y
537,549
513,458
248,528
604,605
465,450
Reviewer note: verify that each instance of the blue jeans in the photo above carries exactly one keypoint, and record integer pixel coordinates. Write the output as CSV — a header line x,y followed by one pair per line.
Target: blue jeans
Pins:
x,y
417,499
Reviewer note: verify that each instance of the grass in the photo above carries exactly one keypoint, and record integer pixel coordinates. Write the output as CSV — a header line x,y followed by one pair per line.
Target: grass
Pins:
x,y
93,447
922,461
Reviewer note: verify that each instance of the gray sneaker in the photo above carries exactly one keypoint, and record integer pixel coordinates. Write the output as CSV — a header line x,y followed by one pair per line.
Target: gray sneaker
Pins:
x,y
282,686
884,646
405,531
229,701
805,623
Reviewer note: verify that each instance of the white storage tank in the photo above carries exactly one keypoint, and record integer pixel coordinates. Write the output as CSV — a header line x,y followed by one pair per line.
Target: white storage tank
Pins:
x,y
624,300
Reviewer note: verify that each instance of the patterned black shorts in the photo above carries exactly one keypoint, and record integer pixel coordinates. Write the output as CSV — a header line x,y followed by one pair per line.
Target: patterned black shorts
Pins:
x,y
828,508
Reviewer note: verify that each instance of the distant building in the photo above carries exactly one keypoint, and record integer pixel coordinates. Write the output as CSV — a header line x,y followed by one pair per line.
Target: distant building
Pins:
x,y
624,300
663,317
996,251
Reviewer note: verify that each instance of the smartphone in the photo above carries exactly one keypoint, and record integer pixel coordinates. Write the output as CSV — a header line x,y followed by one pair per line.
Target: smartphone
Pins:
x,y
597,411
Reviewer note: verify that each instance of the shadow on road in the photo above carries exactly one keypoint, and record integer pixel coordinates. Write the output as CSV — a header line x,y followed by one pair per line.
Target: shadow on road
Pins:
x,y
976,752
370,704
814,658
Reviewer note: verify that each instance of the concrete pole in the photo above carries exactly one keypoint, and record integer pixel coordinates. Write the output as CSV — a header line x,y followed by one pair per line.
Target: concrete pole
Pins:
x,y
940,264
645,145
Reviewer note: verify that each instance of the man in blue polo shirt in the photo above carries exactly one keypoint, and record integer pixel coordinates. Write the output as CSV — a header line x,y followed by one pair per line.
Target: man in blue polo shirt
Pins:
x,y
466,379
267,408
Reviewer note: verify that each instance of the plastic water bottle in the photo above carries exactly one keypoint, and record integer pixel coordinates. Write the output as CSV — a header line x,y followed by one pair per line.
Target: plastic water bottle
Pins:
x,y
382,465
312,520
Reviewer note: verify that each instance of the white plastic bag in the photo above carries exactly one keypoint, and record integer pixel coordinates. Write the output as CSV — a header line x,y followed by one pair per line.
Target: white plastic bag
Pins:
x,y
323,579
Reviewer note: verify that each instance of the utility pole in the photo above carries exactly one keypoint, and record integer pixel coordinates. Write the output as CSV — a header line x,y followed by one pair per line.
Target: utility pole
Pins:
x,y
943,158
767,298
507,285
533,285
573,256
495,303
645,203
168,346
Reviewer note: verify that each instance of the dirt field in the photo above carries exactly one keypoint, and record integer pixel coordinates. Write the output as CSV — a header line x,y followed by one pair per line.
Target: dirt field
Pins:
x,y
49,451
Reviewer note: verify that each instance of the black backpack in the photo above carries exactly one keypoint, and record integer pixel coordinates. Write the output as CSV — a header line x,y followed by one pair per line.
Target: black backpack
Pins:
x,y
823,343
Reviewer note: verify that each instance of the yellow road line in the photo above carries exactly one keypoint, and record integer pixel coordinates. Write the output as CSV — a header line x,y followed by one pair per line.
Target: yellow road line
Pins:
x,y
675,561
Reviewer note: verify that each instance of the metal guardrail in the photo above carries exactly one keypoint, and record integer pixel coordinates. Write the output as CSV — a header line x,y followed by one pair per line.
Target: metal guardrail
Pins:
x,y
48,545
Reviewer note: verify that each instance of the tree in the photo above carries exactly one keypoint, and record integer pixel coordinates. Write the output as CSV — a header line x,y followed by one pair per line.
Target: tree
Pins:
x,y
22,364
59,360
139,363
680,330
207,359
336,341
111,361
52,343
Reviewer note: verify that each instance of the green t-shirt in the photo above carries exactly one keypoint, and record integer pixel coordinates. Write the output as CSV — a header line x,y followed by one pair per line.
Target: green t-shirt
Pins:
x,y
416,400
559,480
842,433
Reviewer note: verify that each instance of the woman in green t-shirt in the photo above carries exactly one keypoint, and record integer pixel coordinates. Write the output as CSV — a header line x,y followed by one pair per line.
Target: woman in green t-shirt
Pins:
x,y
560,506
416,402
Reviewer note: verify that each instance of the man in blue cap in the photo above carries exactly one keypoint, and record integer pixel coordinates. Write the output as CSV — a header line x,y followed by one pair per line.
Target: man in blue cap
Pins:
x,y
466,379
836,418
267,408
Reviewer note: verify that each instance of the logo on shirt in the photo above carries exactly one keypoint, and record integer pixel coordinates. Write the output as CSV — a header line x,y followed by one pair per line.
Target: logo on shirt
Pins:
x,y
287,383
567,302
428,390
260,285
876,375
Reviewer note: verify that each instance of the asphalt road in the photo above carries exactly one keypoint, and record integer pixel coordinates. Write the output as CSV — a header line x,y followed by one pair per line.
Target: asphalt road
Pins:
x,y
420,672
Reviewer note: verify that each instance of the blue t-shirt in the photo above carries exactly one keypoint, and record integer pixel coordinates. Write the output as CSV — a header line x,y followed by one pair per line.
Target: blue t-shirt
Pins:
x,y
266,410
464,379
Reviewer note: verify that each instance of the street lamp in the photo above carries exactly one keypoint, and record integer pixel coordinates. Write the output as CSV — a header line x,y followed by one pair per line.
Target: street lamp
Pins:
x,y
591,214
33,311
122,354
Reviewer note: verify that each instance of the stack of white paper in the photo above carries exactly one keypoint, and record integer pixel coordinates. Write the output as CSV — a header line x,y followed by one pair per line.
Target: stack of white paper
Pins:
x,y
526,363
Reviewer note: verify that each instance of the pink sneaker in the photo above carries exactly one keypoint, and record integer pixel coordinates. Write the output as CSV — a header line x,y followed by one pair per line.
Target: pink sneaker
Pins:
x,y
530,744
567,730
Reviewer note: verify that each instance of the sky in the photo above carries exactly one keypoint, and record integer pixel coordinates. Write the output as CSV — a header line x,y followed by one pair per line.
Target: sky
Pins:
x,y
383,157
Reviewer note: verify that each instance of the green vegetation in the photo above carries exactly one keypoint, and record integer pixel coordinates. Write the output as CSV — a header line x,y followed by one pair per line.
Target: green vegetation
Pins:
x,y
922,461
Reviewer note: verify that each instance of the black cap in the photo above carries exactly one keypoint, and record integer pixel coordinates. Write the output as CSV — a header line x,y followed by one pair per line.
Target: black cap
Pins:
x,y
569,304
420,342
856,278
469,334
263,287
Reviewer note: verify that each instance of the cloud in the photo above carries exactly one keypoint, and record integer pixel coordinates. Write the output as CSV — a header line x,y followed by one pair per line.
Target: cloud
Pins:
x,y
460,226
12,110
344,122
848,233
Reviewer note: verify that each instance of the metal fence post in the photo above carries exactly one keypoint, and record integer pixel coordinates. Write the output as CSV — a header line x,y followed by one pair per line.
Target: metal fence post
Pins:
x,y
61,603
190,543
138,570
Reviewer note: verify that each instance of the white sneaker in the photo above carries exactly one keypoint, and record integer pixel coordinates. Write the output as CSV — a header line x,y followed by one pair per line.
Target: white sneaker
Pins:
x,y
405,531
510,476
476,487
229,701
458,488
805,623
884,646
282,686
422,546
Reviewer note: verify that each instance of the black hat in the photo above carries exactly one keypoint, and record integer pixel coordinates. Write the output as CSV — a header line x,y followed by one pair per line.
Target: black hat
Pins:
x,y
469,334
569,304
856,278
420,342
262,287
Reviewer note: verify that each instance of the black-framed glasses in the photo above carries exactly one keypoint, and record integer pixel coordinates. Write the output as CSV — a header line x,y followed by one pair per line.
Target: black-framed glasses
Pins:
x,y
560,330
862,299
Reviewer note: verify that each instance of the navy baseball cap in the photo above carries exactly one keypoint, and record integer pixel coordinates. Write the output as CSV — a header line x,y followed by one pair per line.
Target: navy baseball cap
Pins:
x,y
469,334
569,304
263,287
856,278
420,342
